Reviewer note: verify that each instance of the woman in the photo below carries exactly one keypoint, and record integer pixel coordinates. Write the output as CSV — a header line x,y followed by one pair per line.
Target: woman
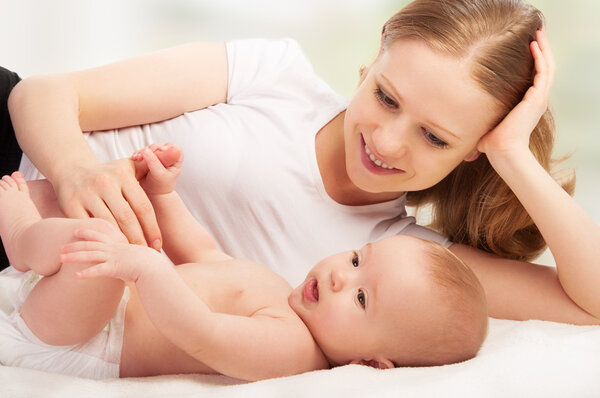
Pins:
x,y
286,161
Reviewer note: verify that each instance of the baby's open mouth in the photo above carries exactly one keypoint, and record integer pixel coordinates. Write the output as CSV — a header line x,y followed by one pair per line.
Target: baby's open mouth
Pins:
x,y
311,291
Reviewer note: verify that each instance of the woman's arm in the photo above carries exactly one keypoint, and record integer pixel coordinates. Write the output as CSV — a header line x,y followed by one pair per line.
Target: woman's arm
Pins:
x,y
50,112
572,236
520,291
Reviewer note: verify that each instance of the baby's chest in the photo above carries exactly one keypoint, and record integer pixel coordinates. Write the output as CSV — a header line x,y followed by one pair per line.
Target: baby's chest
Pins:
x,y
237,289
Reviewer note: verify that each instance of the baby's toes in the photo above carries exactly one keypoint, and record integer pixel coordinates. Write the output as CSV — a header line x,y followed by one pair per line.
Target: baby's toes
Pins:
x,y
169,154
9,182
19,179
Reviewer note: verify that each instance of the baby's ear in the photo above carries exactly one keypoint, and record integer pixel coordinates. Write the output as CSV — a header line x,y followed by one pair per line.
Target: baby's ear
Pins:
x,y
379,363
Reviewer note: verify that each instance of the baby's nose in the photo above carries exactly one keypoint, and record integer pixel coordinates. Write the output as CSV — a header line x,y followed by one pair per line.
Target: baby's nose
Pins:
x,y
338,280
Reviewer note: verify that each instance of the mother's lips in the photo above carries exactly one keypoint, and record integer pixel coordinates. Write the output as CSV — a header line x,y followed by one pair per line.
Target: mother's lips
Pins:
x,y
311,291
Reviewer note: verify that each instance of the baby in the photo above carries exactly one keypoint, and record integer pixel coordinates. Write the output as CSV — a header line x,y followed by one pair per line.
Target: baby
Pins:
x,y
106,308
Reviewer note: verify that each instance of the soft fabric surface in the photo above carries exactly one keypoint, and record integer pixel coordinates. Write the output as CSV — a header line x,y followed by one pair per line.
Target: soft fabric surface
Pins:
x,y
518,359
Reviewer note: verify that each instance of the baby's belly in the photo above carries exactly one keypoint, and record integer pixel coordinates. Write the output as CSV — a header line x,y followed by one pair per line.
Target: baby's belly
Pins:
x,y
146,352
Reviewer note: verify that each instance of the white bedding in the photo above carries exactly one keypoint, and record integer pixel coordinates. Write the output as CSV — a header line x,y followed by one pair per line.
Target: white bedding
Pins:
x,y
519,359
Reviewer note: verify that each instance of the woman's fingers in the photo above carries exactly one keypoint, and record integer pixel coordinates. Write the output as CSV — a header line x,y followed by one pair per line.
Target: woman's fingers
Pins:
x,y
124,216
144,212
74,207
546,50
538,94
544,62
110,191
96,207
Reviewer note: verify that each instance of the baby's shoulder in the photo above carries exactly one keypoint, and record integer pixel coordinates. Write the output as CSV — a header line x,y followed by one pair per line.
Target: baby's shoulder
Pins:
x,y
295,345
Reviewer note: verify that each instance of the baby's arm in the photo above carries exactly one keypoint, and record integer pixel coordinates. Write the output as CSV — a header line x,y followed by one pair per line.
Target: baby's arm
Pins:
x,y
264,344
185,240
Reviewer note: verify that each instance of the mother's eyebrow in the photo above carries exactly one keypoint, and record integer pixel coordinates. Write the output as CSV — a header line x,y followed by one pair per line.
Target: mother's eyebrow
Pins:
x,y
433,124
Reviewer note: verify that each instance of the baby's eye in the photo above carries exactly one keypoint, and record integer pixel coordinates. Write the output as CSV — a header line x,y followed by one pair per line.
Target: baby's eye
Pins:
x,y
361,298
355,259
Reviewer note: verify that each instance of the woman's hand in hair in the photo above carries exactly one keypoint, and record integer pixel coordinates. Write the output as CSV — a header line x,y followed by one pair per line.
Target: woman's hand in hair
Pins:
x,y
511,137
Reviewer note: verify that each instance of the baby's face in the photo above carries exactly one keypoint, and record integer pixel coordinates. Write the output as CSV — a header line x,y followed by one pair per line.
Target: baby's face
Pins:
x,y
356,303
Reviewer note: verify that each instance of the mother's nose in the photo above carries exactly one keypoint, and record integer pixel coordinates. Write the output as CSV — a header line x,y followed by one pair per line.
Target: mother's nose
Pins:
x,y
392,140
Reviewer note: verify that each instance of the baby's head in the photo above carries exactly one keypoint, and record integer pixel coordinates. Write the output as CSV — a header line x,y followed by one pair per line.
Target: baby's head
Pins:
x,y
401,301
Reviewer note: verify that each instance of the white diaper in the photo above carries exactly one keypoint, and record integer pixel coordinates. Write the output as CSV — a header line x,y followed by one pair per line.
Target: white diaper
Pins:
x,y
97,358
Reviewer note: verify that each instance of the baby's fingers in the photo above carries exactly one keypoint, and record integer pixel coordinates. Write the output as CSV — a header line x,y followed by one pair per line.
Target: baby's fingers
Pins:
x,y
82,256
154,164
96,271
92,235
81,245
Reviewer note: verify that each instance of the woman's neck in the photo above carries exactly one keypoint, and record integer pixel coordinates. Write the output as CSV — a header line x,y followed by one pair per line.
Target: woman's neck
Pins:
x,y
331,159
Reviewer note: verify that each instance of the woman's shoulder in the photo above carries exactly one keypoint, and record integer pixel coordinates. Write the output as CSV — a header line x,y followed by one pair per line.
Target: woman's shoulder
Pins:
x,y
255,62
280,51
268,68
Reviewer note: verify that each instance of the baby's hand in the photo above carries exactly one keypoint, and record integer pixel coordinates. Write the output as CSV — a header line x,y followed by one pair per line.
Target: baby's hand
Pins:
x,y
110,258
158,165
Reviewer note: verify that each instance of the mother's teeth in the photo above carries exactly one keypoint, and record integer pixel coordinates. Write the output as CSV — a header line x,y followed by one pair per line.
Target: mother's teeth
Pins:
x,y
375,160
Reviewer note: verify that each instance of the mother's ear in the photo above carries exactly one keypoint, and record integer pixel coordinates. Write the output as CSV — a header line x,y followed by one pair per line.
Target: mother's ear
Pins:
x,y
473,155
379,363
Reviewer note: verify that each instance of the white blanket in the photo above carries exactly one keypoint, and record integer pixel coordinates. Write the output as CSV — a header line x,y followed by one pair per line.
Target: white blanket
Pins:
x,y
518,359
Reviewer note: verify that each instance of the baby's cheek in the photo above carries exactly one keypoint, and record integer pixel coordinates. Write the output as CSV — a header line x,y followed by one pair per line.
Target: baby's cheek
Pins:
x,y
335,320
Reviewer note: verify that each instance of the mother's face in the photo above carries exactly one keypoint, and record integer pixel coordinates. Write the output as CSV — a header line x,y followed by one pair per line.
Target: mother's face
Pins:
x,y
414,118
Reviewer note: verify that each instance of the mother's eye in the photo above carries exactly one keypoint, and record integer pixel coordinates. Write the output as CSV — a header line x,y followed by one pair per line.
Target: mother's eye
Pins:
x,y
384,99
433,139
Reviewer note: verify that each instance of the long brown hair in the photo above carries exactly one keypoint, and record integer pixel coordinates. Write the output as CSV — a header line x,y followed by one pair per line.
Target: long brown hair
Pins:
x,y
473,205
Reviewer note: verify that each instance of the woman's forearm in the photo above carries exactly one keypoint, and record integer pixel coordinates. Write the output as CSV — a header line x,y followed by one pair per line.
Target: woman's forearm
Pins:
x,y
572,236
48,115
47,126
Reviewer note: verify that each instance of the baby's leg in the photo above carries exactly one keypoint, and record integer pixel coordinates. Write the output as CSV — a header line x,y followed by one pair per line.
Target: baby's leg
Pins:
x,y
64,310
167,153
43,196
17,215
61,309
30,241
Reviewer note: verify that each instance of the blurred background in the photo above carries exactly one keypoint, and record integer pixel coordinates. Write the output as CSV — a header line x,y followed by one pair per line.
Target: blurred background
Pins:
x,y
338,36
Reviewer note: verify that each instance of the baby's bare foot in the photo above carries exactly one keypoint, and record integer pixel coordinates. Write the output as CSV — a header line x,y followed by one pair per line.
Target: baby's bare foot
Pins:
x,y
169,154
17,213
